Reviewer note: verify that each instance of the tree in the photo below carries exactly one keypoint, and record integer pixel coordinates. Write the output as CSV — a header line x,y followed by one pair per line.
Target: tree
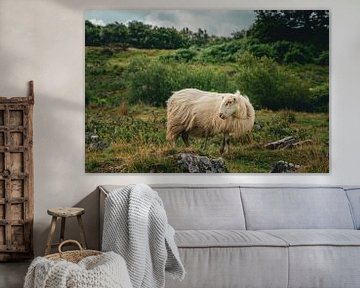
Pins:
x,y
92,34
201,37
239,34
305,26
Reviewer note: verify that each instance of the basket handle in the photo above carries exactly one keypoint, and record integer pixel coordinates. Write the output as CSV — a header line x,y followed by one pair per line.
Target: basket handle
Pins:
x,y
69,241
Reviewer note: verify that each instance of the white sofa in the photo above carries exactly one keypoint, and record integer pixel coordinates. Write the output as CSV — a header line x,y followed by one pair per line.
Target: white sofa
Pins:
x,y
248,236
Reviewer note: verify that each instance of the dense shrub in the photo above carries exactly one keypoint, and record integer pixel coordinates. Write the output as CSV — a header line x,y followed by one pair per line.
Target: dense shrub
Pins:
x,y
271,86
153,82
323,58
181,55
219,53
280,48
284,51
261,49
320,98
298,53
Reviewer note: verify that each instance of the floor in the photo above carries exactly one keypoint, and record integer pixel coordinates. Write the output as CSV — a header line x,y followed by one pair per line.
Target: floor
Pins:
x,y
12,274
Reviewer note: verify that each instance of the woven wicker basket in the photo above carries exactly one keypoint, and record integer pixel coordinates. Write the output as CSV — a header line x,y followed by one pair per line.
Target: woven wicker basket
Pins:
x,y
72,256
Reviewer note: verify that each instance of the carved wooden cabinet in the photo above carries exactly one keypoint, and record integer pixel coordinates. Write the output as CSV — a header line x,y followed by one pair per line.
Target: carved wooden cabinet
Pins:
x,y
16,177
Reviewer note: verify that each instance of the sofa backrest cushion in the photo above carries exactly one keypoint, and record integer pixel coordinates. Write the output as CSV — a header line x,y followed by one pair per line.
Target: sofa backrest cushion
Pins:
x,y
296,208
354,198
203,208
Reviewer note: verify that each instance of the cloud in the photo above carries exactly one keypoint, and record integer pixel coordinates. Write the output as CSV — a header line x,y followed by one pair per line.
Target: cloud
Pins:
x,y
215,22
97,22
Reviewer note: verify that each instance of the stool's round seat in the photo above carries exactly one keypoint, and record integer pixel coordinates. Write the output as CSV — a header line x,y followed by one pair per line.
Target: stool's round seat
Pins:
x,y
66,211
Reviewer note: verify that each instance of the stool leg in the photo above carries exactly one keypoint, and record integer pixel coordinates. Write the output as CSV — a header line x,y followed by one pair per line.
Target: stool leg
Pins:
x,y
51,235
62,231
82,232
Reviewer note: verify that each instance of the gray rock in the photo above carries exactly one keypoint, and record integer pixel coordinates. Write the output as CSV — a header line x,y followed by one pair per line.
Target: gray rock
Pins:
x,y
95,143
194,163
259,125
284,167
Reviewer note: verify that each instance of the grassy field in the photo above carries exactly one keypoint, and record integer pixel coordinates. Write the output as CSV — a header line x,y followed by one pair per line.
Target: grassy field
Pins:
x,y
123,137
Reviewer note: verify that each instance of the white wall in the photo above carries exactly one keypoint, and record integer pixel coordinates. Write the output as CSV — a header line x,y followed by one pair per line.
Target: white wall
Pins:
x,y
43,40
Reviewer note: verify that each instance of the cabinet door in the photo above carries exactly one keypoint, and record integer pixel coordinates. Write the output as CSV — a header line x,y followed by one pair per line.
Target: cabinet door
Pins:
x,y
16,210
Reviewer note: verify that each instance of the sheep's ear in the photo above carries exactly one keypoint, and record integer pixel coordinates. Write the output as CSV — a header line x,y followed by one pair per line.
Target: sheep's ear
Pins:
x,y
237,93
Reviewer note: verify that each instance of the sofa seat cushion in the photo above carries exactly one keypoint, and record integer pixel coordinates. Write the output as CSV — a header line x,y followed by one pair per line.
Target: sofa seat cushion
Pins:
x,y
225,238
317,237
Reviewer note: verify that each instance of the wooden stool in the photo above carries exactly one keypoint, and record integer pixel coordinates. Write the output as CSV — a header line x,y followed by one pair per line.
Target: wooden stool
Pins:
x,y
64,213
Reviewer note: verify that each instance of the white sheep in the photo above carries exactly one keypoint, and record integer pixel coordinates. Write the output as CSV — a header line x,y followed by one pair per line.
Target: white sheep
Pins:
x,y
202,114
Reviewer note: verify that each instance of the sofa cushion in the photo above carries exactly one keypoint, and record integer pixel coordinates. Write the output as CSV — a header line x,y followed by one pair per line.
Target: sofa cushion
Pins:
x,y
354,198
324,266
322,258
296,208
191,207
204,208
315,237
220,267
226,238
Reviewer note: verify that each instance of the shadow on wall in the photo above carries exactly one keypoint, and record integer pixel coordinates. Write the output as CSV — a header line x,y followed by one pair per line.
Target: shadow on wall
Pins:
x,y
91,219
30,53
56,154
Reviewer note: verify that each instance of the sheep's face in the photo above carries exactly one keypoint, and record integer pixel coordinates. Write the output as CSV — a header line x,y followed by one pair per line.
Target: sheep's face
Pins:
x,y
228,106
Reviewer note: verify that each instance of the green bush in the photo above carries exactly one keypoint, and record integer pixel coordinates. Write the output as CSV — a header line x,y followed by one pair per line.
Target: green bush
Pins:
x,y
299,53
270,86
295,55
261,49
181,55
153,82
323,58
219,53
286,51
280,48
320,98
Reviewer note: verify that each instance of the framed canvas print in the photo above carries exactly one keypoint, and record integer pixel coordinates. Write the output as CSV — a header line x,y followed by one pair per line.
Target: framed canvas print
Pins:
x,y
207,91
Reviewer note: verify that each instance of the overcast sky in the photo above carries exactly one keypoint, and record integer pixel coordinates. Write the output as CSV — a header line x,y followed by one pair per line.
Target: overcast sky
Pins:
x,y
216,22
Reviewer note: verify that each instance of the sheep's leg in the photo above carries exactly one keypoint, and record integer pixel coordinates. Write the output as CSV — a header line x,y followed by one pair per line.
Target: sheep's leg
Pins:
x,y
225,146
173,142
206,140
185,137
222,145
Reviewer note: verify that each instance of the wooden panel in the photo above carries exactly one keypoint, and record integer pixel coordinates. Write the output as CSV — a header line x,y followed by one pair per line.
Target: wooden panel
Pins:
x,y
16,118
17,188
2,235
16,162
2,211
16,177
16,139
2,139
17,234
2,117
2,162
2,189
17,211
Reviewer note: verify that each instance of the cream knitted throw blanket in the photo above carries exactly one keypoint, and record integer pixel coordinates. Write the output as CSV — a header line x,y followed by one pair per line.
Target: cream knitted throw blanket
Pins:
x,y
136,227
103,271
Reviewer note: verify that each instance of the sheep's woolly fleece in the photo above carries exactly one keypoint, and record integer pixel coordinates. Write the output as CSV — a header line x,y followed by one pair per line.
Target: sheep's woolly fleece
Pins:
x,y
197,112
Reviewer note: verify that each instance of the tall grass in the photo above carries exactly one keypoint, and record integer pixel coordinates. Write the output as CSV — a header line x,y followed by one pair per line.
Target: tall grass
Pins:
x,y
271,86
137,142
152,82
